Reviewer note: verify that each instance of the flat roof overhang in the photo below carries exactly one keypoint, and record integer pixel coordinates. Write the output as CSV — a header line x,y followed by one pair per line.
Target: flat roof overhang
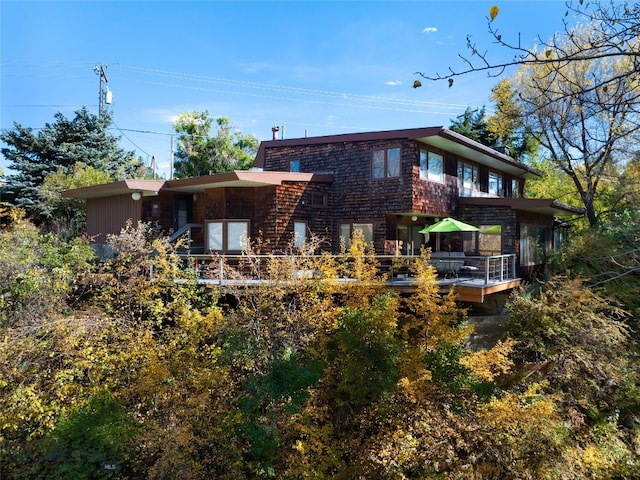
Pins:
x,y
464,147
238,178
123,187
242,178
543,206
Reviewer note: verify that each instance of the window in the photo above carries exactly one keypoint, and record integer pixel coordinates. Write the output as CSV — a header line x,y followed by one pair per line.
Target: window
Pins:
x,y
319,200
345,235
495,184
490,239
515,188
294,166
468,176
533,244
385,163
227,235
299,234
366,229
431,166
347,230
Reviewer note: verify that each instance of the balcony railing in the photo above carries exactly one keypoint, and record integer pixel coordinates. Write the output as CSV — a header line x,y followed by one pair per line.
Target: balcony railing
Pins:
x,y
478,270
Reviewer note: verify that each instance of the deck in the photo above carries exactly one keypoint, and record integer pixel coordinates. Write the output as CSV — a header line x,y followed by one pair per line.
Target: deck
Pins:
x,y
479,277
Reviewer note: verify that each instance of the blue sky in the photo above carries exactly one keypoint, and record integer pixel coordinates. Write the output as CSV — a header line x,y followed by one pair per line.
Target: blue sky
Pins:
x,y
314,68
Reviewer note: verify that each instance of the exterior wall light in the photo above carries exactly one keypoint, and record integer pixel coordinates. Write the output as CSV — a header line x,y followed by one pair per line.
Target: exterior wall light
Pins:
x,y
136,196
414,218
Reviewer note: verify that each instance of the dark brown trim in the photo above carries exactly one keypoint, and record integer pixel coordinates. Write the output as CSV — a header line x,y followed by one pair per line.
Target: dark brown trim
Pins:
x,y
537,205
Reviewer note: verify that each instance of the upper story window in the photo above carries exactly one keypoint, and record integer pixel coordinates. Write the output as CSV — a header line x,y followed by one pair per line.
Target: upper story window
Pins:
x,y
294,166
495,184
319,200
431,166
515,188
385,163
468,176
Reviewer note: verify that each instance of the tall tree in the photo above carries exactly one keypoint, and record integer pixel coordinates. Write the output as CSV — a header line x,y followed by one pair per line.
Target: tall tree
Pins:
x,y
586,132
60,146
201,153
507,125
473,124
504,129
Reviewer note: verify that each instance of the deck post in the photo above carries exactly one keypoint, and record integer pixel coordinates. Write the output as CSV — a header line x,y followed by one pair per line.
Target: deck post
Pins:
x,y
486,271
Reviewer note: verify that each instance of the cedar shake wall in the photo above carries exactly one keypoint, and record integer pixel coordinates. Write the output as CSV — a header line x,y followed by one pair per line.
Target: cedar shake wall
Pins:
x,y
511,221
505,216
159,209
272,211
294,204
356,197
434,198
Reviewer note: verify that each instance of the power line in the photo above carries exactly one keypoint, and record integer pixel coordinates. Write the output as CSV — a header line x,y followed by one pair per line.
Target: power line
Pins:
x,y
304,100
286,89
132,142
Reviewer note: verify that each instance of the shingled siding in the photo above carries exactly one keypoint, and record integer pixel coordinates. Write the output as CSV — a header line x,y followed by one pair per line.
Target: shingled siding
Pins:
x,y
356,197
294,203
272,211
505,216
511,221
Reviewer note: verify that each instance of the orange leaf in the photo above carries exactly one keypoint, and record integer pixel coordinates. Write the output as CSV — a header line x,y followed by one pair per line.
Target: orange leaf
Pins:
x,y
493,12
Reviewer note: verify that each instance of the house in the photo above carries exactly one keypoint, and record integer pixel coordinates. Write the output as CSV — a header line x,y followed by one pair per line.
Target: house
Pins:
x,y
387,184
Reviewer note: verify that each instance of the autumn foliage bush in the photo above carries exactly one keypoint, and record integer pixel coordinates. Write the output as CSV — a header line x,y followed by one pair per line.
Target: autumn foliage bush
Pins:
x,y
309,376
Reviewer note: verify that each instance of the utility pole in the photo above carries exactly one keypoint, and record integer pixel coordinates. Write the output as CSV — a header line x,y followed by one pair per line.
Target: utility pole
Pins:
x,y
171,159
101,72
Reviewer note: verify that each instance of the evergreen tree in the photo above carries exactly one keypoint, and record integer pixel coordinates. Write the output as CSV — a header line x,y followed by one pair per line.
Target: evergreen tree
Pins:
x,y
59,147
473,124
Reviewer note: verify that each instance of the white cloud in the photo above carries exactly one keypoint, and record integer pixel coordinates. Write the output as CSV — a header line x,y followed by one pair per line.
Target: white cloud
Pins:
x,y
393,83
255,67
430,30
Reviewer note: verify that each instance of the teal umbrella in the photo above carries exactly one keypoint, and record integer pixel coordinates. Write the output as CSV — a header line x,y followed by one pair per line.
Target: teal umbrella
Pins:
x,y
449,225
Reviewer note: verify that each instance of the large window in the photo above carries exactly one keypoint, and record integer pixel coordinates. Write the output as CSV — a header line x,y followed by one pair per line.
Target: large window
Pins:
x,y
533,244
227,235
385,163
490,240
495,184
468,176
348,229
431,166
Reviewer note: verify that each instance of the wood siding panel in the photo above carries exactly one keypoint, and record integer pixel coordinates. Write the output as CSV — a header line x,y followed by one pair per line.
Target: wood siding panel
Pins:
x,y
110,215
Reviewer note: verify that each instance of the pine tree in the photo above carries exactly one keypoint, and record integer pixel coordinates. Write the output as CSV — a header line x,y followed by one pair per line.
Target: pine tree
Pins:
x,y
59,147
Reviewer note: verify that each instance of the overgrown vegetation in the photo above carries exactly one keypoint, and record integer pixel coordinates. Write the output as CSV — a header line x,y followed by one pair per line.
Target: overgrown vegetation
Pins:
x,y
306,377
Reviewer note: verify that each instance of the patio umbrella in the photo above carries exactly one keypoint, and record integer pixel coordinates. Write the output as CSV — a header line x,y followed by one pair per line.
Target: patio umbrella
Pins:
x,y
449,224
